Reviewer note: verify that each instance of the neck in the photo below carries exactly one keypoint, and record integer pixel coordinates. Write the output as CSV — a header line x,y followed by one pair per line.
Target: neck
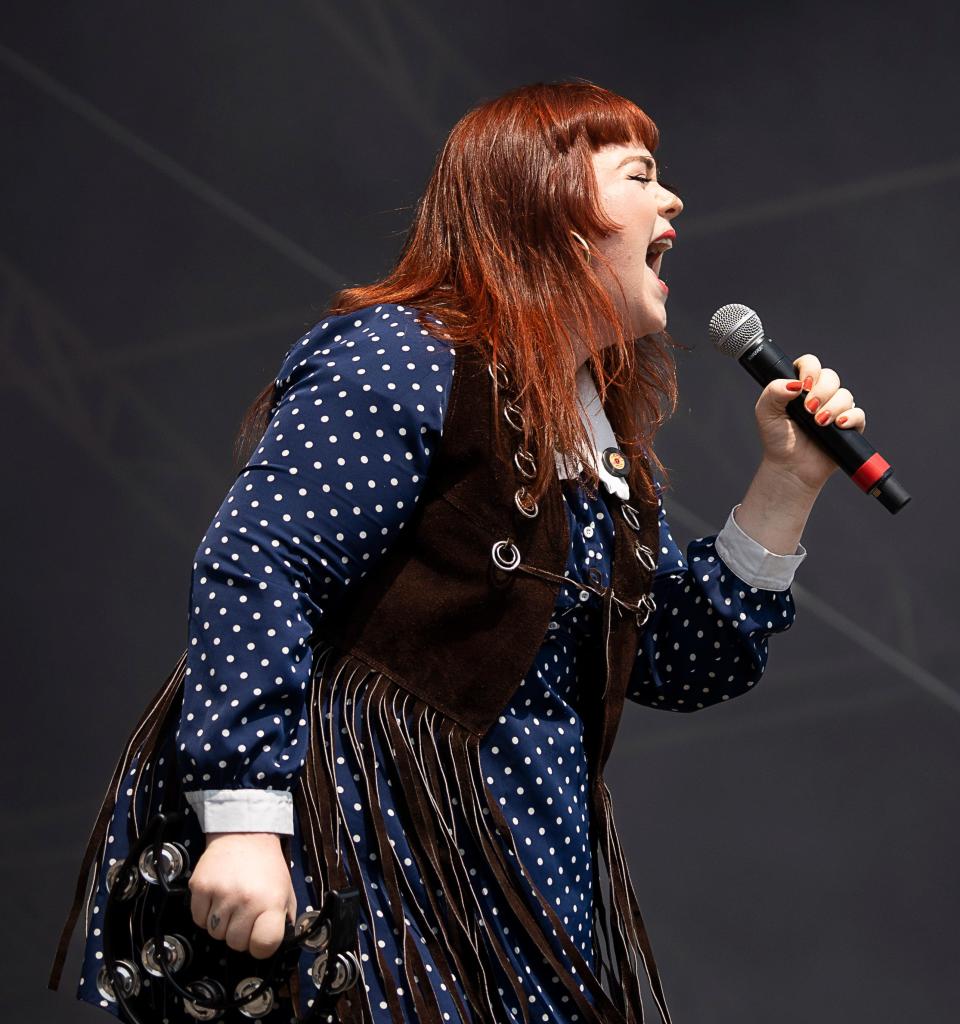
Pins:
x,y
580,351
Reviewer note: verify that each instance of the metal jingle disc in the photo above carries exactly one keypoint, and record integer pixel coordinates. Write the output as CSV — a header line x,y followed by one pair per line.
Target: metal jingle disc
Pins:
x,y
318,969
175,860
258,1007
204,988
320,939
615,462
346,971
130,885
127,977
176,952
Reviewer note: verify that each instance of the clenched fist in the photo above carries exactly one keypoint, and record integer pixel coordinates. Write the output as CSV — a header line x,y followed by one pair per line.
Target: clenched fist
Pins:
x,y
785,445
241,891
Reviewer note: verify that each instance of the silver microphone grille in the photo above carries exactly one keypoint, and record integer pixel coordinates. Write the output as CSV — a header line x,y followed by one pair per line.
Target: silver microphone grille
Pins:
x,y
734,329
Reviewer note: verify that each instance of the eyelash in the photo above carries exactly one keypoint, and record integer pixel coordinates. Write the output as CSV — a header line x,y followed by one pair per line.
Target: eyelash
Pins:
x,y
641,177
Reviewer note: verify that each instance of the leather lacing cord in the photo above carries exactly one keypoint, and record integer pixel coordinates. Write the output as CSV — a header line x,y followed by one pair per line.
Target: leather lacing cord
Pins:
x,y
628,935
527,467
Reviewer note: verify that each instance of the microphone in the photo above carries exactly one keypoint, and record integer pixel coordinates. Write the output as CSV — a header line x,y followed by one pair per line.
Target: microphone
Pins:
x,y
736,331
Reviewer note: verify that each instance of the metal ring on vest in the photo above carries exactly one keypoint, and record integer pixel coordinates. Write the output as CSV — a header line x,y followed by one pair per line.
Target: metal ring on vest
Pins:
x,y
648,605
501,377
630,514
518,498
510,410
522,453
498,560
645,556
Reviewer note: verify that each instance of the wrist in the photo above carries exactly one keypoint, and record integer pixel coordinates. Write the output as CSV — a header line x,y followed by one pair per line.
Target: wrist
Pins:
x,y
775,509
785,482
210,836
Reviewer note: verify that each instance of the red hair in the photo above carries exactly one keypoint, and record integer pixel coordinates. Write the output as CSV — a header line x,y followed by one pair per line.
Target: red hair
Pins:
x,y
490,254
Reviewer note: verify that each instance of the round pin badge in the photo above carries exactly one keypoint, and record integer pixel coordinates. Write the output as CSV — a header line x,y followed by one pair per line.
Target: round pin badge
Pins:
x,y
615,462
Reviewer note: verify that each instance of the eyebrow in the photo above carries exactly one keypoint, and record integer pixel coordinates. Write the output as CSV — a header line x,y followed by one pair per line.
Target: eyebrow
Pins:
x,y
649,161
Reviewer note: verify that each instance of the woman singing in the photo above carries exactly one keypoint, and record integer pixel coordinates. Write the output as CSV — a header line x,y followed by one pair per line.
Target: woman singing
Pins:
x,y
443,568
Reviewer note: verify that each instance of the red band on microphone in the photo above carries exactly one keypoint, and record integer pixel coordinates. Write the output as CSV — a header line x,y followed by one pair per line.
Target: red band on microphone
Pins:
x,y
870,472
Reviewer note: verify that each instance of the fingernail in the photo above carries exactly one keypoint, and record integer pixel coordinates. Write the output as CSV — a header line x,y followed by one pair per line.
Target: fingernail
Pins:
x,y
841,420
823,417
794,385
812,404
807,383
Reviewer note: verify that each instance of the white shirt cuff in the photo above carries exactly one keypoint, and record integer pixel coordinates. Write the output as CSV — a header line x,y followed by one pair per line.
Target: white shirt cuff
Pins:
x,y
752,562
243,810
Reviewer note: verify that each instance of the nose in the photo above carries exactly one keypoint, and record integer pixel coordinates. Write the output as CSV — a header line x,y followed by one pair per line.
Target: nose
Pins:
x,y
670,203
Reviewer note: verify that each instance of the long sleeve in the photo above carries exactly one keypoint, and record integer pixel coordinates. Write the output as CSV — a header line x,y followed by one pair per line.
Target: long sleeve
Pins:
x,y
707,640
337,474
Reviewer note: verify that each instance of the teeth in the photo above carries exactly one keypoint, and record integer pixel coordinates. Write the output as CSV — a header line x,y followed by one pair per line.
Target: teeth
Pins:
x,y
656,249
655,254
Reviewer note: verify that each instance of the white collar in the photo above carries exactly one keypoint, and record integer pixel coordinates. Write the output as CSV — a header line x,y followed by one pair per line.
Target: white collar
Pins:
x,y
598,426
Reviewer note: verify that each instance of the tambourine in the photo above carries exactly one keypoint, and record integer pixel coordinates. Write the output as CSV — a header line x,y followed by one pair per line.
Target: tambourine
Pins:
x,y
156,960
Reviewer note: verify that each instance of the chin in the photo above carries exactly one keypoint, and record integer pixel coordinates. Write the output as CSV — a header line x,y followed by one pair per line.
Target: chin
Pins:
x,y
650,321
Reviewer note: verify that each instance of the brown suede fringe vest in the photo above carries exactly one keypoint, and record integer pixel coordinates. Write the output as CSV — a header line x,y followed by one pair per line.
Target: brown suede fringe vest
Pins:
x,y
432,644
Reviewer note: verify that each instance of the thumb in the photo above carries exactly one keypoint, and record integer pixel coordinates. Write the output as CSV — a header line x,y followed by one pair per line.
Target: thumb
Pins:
x,y
776,395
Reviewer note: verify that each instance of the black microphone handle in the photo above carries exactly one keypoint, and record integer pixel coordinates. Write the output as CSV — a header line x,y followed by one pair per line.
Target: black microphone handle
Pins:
x,y
848,448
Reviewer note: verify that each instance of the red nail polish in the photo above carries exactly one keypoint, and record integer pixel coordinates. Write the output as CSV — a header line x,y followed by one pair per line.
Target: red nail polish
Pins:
x,y
823,417
812,404
794,385
807,383
841,420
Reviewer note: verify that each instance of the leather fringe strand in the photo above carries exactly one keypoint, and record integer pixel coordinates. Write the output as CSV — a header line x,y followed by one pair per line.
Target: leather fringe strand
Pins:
x,y
436,782
139,746
436,778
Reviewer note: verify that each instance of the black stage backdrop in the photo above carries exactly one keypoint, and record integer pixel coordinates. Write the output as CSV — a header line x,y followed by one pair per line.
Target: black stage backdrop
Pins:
x,y
184,184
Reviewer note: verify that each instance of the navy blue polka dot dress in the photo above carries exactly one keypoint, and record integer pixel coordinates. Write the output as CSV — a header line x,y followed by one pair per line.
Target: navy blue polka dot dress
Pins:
x,y
327,492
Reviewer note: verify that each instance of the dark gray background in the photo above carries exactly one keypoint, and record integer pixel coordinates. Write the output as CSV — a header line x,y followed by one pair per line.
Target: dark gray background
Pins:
x,y
184,185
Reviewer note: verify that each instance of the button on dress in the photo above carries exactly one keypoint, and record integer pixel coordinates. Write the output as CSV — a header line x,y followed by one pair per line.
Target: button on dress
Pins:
x,y
327,492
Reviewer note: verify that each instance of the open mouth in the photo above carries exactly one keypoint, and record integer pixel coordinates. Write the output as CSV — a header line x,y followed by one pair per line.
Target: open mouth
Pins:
x,y
655,253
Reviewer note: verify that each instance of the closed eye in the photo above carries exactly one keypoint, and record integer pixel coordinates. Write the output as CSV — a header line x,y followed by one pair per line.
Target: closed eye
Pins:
x,y
660,181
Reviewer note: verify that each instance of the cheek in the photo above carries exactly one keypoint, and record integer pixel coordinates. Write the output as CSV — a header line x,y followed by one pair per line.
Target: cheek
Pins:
x,y
628,250
628,246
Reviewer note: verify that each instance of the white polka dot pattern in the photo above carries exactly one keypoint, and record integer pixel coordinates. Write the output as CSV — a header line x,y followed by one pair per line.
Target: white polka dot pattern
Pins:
x,y
333,482
707,640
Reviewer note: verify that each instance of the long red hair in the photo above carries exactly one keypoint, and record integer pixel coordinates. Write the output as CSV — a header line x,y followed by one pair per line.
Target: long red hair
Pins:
x,y
490,254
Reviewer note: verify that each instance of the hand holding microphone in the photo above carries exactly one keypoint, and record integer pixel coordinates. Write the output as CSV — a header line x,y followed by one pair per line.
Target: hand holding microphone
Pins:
x,y
819,405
